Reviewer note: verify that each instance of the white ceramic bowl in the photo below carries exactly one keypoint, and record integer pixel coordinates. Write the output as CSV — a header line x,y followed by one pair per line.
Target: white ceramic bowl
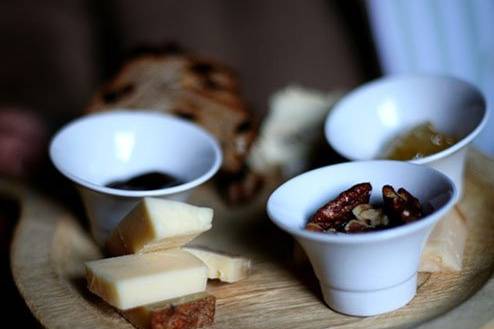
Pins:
x,y
99,148
363,123
366,273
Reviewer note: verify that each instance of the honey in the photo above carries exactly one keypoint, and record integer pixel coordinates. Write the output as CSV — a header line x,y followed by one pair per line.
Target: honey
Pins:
x,y
419,142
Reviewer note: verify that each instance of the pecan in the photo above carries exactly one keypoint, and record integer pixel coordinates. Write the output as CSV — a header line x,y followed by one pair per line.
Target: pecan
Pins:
x,y
401,207
337,212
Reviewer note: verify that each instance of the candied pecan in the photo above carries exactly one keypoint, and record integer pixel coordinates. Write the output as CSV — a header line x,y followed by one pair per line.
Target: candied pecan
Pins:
x,y
337,212
411,200
401,207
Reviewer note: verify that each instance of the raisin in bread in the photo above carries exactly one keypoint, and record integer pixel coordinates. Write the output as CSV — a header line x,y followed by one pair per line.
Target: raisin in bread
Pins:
x,y
191,87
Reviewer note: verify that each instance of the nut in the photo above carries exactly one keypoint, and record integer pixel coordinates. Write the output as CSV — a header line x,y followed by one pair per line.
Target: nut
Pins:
x,y
351,212
401,207
355,226
336,213
373,217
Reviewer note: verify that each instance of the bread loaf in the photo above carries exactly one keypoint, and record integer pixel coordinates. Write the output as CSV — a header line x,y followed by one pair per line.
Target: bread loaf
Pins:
x,y
189,86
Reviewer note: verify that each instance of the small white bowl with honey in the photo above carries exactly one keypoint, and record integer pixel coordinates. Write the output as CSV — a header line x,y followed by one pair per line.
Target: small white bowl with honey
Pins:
x,y
424,119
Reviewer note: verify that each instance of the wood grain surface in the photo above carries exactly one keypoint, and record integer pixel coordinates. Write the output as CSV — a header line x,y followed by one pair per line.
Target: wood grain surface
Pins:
x,y
50,247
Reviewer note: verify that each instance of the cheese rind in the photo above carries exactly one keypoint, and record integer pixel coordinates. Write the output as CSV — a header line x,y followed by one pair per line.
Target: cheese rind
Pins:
x,y
221,266
158,224
187,312
134,280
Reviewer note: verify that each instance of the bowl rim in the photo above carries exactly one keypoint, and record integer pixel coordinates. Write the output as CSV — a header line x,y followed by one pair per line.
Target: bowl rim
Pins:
x,y
148,114
374,236
404,77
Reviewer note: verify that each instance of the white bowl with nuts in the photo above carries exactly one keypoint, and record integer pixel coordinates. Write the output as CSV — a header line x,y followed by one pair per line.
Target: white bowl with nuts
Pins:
x,y
424,119
366,263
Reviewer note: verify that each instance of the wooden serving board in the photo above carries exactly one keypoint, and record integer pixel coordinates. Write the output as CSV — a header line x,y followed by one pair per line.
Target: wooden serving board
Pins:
x,y
50,248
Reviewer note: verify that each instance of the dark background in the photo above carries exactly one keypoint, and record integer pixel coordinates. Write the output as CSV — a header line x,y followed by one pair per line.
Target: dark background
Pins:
x,y
55,53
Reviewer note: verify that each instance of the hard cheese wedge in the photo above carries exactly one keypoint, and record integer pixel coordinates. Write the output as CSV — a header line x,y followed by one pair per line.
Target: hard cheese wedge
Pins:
x,y
158,224
224,267
135,280
187,312
444,249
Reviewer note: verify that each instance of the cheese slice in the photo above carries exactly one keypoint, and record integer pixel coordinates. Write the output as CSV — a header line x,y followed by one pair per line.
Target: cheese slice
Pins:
x,y
444,249
187,312
135,280
158,224
221,266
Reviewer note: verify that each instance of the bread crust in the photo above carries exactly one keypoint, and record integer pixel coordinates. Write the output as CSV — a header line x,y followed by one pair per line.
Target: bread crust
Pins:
x,y
188,312
188,86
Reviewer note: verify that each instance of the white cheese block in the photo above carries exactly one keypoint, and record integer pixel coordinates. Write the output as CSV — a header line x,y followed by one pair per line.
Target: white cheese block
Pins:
x,y
135,280
444,249
158,224
291,129
221,266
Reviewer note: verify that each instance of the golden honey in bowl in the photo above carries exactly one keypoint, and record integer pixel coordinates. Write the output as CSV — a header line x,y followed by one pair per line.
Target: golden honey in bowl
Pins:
x,y
420,141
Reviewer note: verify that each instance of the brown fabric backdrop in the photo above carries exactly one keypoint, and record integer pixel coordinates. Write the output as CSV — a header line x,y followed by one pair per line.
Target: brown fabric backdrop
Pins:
x,y
55,53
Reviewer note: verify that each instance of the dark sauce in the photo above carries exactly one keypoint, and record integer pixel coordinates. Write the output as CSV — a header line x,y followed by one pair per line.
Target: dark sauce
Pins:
x,y
147,181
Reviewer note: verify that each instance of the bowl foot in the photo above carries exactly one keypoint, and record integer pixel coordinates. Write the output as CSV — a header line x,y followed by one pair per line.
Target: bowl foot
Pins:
x,y
367,303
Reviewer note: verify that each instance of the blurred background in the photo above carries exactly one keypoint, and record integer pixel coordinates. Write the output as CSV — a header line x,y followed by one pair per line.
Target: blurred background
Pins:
x,y
56,54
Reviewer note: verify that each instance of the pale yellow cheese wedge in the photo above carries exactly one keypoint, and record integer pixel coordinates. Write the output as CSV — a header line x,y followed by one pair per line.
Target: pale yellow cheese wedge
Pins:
x,y
134,280
221,266
191,311
444,249
158,224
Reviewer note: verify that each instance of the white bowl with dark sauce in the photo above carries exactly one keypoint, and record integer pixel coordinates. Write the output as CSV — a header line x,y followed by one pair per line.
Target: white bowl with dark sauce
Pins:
x,y
116,158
